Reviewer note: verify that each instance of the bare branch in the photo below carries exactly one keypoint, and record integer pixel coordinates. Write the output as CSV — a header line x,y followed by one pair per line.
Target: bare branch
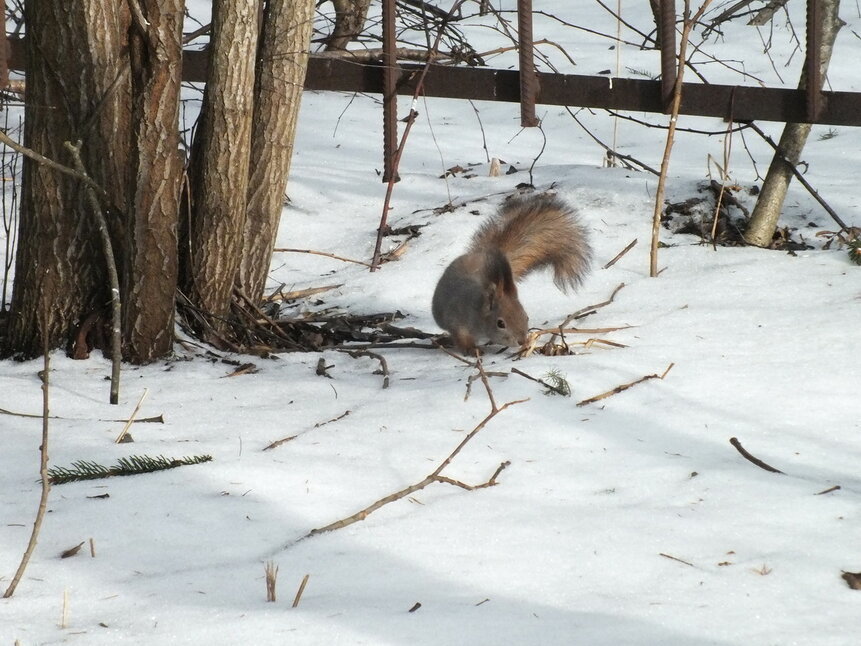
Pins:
x,y
747,456
435,475
623,387
43,464
108,250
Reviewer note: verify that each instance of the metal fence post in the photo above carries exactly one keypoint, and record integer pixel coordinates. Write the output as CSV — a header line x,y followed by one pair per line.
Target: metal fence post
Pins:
x,y
390,95
528,79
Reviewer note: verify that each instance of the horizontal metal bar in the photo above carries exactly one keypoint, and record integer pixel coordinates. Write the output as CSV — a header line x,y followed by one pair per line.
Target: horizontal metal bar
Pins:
x,y
741,103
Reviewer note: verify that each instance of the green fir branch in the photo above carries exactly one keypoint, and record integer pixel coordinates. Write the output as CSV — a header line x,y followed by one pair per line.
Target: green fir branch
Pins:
x,y
855,250
129,466
556,383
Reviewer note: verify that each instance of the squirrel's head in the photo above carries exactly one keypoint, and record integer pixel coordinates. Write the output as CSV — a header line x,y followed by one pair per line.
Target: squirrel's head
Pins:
x,y
505,319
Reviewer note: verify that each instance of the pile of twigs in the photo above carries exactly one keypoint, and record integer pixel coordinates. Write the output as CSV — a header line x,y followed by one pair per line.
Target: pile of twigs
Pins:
x,y
258,330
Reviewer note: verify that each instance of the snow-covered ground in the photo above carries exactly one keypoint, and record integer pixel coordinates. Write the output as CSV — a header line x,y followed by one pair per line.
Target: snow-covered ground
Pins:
x,y
628,521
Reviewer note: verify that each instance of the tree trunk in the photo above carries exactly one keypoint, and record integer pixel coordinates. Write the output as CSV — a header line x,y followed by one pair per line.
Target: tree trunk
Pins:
x,y
766,213
157,169
76,90
107,73
281,66
220,159
350,16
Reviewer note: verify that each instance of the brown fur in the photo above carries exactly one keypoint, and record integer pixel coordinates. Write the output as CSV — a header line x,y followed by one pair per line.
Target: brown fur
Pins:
x,y
476,297
535,232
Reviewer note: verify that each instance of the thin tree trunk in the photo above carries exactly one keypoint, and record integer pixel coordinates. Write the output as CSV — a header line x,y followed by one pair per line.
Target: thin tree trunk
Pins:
x,y
281,66
766,213
156,58
220,158
350,16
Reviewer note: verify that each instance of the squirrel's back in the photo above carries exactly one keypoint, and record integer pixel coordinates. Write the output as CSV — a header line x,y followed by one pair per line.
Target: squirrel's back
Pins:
x,y
538,231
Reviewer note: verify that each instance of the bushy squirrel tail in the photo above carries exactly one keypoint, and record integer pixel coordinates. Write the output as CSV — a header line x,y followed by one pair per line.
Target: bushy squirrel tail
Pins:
x,y
535,232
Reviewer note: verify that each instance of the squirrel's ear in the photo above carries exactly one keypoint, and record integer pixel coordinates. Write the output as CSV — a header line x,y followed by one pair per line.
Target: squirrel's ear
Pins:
x,y
497,293
500,271
491,297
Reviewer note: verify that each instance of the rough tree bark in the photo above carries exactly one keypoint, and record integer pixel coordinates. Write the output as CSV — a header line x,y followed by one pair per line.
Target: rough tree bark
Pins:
x,y
766,213
220,160
75,90
281,65
157,171
350,16
108,73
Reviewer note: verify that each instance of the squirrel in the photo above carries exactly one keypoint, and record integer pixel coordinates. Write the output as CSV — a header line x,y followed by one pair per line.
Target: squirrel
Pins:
x,y
476,297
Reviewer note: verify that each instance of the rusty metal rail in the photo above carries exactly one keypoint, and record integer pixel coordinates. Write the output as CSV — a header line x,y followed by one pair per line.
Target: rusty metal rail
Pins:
x,y
484,84
638,95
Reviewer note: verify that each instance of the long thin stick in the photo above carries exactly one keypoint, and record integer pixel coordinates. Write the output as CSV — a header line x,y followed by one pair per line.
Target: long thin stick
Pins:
x,y
321,253
375,262
589,308
762,465
623,387
620,254
131,419
671,133
50,163
300,590
813,192
403,493
107,249
158,419
434,476
43,466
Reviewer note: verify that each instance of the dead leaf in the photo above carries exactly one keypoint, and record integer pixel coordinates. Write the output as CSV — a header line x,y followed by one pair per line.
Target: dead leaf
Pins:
x,y
853,579
244,369
72,551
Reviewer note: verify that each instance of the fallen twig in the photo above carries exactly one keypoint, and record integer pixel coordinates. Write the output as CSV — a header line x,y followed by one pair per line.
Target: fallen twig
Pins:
x,y
299,293
762,465
158,419
300,590
131,419
580,330
334,419
623,387
490,482
479,376
619,255
384,367
674,558
532,338
829,490
434,476
556,389
290,438
278,443
322,253
584,311
43,465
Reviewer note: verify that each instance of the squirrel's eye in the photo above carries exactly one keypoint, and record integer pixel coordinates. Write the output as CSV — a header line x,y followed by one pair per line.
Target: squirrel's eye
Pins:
x,y
500,323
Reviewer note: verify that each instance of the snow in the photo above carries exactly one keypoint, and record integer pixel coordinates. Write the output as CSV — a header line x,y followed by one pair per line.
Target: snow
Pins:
x,y
628,521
